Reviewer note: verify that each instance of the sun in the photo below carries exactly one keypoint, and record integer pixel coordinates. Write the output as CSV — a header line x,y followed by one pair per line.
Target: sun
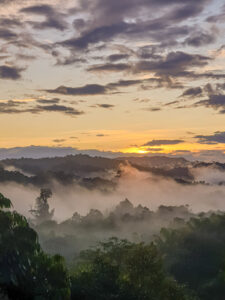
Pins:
x,y
135,150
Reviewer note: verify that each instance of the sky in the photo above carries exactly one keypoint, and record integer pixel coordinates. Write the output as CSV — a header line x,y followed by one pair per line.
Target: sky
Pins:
x,y
130,76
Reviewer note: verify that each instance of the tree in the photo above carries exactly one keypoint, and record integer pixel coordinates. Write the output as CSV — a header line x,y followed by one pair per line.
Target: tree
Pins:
x,y
41,211
26,272
195,255
121,270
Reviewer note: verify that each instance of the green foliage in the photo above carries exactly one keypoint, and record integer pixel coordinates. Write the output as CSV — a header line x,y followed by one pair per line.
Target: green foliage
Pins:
x,y
25,271
122,270
195,255
5,202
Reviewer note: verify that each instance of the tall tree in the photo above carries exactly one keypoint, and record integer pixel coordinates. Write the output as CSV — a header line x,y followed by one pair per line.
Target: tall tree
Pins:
x,y
41,212
26,272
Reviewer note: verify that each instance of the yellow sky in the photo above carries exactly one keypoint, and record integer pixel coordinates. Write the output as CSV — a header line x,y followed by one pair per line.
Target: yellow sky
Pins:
x,y
138,113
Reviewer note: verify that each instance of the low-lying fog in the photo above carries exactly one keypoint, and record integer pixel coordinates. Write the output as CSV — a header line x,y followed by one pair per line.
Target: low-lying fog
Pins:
x,y
139,187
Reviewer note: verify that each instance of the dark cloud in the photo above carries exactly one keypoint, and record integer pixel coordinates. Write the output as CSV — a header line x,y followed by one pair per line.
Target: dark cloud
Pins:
x,y
14,107
110,19
163,142
18,107
6,34
215,101
116,57
44,10
13,73
107,106
124,83
148,52
60,108
59,140
109,68
53,19
199,39
6,2
171,103
166,68
48,101
174,64
192,92
98,89
152,109
7,22
216,138
69,60
89,89
94,36
94,89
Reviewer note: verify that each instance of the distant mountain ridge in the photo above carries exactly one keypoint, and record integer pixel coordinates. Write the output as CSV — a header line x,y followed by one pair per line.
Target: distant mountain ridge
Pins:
x,y
98,172
44,151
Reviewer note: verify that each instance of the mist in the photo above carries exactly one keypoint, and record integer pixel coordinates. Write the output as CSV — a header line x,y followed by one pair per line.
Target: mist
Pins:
x,y
139,187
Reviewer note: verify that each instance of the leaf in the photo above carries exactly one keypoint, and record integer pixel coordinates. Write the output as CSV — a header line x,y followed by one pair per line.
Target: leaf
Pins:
x,y
5,202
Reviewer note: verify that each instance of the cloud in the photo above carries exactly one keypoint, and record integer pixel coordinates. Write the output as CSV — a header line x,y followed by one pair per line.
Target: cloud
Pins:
x,y
94,36
152,109
101,135
163,142
111,19
48,101
59,140
13,107
218,17
192,92
89,89
53,19
109,68
7,72
124,83
199,39
94,89
215,101
166,69
60,108
67,60
116,57
7,22
6,34
216,138
107,106
18,107
173,64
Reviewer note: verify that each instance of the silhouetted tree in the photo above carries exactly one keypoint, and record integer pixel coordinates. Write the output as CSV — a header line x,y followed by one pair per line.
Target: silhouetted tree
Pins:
x,y
26,272
41,211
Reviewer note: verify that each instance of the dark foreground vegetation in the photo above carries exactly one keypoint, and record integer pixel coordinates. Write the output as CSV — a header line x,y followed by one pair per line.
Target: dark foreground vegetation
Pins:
x,y
186,262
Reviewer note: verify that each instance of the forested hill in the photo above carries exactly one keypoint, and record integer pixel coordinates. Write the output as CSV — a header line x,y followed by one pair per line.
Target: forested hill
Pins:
x,y
92,172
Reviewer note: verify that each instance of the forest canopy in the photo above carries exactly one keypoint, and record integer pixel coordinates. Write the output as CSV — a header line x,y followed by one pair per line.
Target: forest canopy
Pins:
x,y
184,262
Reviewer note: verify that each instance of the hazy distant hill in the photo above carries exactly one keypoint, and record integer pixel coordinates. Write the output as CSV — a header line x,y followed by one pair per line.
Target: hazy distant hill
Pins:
x,y
76,164
42,152
156,161
98,172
